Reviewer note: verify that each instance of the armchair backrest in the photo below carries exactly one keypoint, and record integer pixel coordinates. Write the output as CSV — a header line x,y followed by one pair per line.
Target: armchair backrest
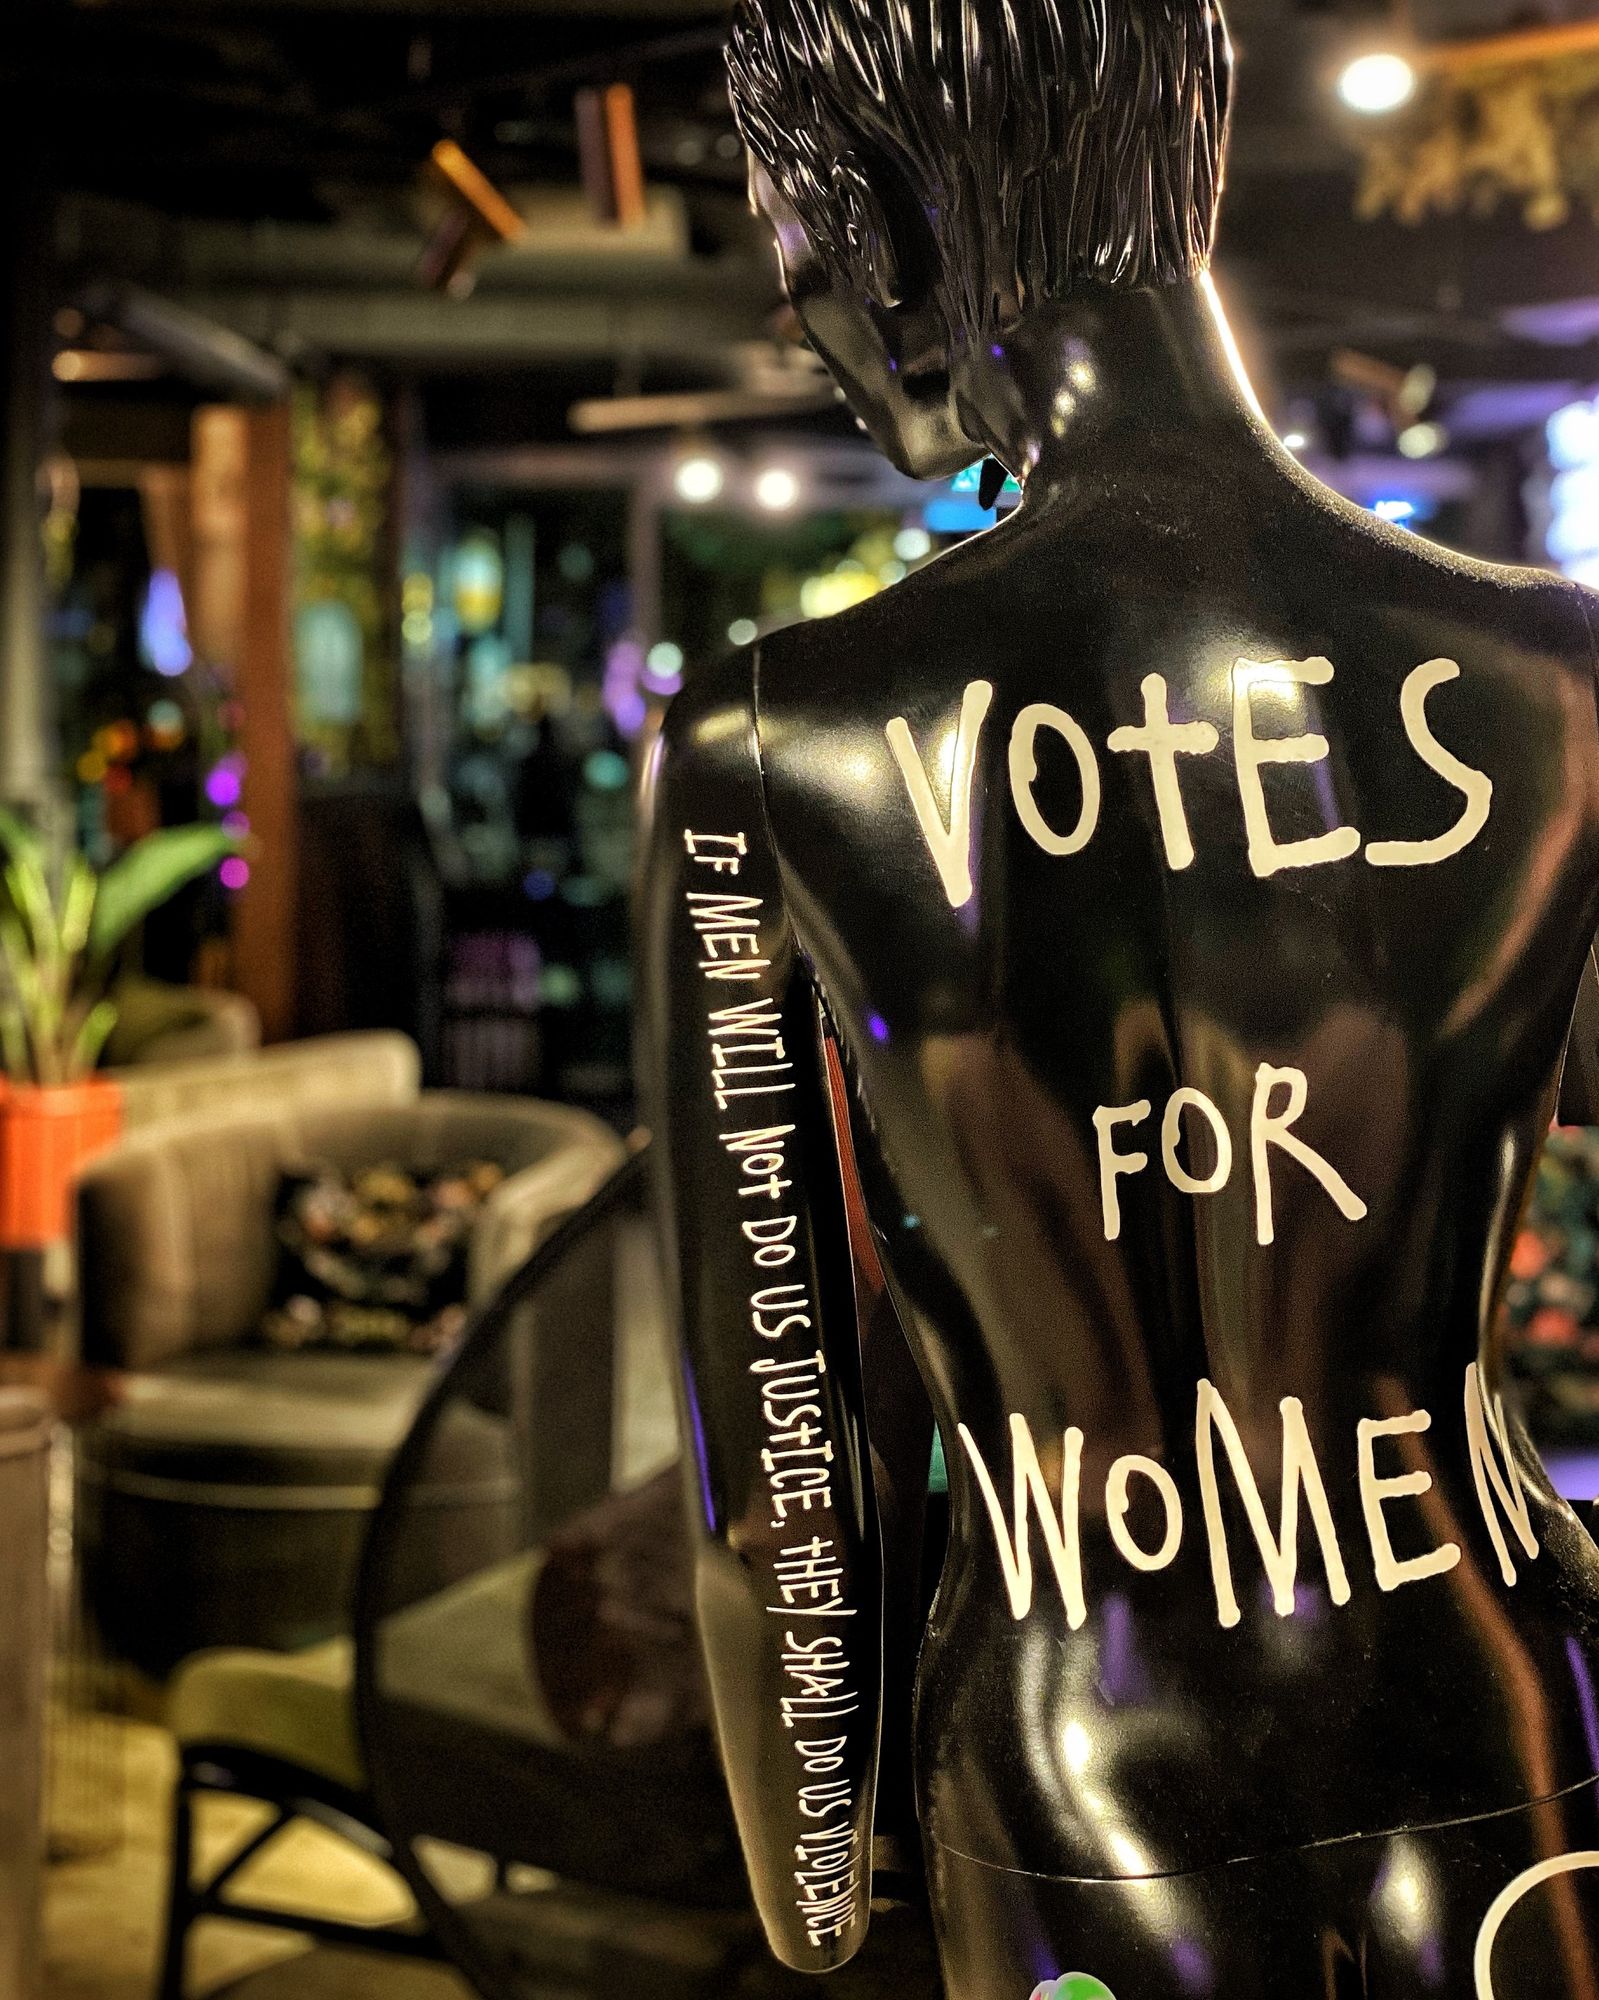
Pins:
x,y
176,1246
175,1240
371,1068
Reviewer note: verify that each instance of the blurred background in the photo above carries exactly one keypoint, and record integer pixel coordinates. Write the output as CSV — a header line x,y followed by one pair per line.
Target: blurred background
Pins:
x,y
422,405
399,402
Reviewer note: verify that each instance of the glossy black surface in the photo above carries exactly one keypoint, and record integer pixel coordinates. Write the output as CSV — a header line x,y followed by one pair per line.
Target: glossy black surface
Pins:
x,y
1375,1019
1393,1918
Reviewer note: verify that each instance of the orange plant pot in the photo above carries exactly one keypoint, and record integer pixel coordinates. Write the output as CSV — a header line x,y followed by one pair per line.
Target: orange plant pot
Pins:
x,y
46,1137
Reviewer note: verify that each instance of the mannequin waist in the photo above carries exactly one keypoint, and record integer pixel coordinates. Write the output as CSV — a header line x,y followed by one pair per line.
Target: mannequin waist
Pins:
x,y
1132,1731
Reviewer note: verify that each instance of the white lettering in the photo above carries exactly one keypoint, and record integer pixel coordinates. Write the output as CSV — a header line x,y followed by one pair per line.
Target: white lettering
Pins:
x,y
1484,1429
1268,1128
1113,1164
1116,1510
950,846
1171,1132
1251,753
1280,1557
1163,742
1060,1533
1476,788
1391,1572
1024,771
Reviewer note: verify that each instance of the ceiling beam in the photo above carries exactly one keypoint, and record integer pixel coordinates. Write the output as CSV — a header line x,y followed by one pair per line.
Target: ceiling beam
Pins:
x,y
490,329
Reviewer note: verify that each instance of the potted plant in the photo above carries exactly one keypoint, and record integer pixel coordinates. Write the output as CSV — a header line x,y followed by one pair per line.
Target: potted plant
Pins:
x,y
59,935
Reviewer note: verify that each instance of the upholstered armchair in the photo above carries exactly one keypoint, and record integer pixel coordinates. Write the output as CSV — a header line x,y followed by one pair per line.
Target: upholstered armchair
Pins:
x,y
223,1501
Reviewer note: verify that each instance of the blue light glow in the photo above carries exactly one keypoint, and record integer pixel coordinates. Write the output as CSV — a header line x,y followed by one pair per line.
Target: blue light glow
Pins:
x,y
163,627
1572,434
971,480
1572,537
956,517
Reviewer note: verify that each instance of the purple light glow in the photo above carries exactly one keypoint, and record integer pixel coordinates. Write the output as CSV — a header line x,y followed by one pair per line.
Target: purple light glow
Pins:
x,y
235,872
697,1426
1191,1963
1585,1695
628,711
620,690
877,1027
225,786
236,822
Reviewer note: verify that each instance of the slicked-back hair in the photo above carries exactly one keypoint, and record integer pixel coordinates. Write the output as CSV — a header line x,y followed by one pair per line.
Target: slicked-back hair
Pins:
x,y
1044,141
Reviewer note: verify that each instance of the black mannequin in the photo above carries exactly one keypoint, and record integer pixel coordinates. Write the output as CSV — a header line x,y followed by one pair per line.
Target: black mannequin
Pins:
x,y
1197,875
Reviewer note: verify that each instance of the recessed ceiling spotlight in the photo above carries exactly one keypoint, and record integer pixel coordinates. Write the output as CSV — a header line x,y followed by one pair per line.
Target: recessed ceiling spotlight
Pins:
x,y
1378,82
699,479
777,489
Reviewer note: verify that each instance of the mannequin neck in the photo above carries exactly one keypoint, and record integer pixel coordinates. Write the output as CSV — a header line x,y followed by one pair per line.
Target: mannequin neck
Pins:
x,y
1105,367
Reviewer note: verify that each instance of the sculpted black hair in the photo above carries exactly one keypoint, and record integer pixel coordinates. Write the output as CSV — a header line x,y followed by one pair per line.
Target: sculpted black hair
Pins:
x,y
1044,140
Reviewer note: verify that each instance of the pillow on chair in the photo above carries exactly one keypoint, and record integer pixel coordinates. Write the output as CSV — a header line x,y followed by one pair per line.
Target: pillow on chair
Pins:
x,y
375,1260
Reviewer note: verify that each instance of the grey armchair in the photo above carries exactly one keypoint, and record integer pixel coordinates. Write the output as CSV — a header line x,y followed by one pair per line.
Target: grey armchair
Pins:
x,y
223,1502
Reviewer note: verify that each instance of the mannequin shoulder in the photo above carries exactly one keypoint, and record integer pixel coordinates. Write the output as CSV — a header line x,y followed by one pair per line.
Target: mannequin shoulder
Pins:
x,y
710,724
1526,609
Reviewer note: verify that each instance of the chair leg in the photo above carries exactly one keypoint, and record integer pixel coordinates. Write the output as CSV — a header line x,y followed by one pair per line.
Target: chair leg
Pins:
x,y
180,1894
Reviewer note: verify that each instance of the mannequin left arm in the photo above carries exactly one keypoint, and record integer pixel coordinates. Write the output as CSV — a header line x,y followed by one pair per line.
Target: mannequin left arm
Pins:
x,y
788,1589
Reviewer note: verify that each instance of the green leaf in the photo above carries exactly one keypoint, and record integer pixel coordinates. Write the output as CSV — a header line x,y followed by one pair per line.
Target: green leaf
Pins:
x,y
77,906
91,1038
27,884
19,839
17,951
156,868
35,1017
13,1041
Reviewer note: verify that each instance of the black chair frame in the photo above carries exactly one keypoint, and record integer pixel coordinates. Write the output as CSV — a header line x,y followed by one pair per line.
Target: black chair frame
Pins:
x,y
460,1946
294,1793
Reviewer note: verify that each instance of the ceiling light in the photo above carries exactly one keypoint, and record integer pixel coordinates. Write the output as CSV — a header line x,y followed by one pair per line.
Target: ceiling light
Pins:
x,y
776,489
1375,83
1295,440
699,479
1422,440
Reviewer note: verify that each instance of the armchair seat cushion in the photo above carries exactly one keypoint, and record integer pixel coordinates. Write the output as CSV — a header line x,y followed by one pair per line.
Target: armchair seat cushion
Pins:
x,y
297,1707
225,1503
254,1424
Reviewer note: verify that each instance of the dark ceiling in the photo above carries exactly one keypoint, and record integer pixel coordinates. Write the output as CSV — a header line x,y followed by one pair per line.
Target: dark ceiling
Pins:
x,y
257,162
